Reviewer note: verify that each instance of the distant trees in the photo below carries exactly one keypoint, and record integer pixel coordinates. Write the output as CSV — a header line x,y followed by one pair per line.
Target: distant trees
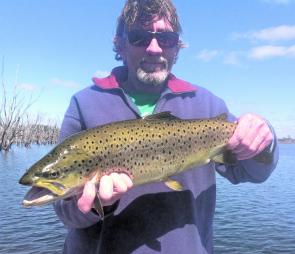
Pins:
x,y
16,126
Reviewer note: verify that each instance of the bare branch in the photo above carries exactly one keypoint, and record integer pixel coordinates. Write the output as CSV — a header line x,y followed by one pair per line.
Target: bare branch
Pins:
x,y
15,125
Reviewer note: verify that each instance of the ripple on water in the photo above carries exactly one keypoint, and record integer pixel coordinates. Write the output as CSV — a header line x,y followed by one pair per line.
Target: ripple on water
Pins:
x,y
250,218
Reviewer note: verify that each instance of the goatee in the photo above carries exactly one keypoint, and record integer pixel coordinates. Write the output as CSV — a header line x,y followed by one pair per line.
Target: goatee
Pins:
x,y
154,77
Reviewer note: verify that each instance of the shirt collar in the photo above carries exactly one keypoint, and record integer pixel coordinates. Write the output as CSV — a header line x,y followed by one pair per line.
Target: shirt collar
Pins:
x,y
118,74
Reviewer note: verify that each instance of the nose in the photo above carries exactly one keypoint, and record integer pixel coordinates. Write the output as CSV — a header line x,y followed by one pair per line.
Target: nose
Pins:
x,y
26,179
154,48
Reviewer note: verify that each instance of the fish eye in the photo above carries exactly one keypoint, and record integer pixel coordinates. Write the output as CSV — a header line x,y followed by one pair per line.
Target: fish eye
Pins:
x,y
54,174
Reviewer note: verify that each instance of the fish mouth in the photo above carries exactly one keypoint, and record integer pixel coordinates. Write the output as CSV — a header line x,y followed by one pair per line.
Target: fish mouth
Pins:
x,y
42,193
37,196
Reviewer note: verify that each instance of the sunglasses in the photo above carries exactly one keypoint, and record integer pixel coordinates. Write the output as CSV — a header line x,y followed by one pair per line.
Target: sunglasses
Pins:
x,y
143,38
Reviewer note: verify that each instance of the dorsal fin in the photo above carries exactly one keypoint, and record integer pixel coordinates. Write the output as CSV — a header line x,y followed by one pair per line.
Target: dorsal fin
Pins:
x,y
221,117
163,115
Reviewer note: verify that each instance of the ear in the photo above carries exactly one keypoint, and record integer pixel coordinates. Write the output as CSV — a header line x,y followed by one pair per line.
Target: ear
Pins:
x,y
120,46
176,55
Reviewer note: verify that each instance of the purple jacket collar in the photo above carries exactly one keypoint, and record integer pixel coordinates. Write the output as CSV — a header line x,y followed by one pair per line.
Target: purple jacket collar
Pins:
x,y
120,73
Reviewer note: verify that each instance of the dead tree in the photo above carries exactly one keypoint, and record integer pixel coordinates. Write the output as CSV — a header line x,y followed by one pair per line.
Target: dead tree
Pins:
x,y
13,108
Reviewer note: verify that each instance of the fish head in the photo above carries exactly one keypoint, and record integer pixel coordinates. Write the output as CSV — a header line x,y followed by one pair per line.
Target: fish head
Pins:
x,y
54,176
45,174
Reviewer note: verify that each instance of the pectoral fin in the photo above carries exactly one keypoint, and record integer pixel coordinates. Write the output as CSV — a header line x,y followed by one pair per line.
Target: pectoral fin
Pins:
x,y
174,185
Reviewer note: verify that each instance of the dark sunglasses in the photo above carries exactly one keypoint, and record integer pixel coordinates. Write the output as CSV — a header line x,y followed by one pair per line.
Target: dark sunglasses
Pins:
x,y
143,38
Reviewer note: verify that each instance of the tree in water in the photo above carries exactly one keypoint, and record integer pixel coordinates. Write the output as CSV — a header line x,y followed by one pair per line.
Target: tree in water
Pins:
x,y
16,127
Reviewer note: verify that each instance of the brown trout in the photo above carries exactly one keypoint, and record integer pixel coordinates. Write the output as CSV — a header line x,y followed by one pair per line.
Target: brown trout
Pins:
x,y
149,150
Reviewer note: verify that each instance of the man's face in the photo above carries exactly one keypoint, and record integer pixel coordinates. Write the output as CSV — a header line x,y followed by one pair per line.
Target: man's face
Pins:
x,y
151,64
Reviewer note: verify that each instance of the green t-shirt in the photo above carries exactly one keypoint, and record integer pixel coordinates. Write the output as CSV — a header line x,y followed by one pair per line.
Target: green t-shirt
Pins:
x,y
145,102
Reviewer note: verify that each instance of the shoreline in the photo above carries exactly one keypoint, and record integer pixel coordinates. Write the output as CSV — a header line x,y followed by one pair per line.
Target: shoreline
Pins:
x,y
286,141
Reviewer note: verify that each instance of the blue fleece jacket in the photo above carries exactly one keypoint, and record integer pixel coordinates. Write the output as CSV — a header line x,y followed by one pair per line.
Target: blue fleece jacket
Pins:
x,y
151,218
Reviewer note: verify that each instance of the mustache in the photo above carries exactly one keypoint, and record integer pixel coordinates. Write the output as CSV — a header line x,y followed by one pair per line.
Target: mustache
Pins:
x,y
158,60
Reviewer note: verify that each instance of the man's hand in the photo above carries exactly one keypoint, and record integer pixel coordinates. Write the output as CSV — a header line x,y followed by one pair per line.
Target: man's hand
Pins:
x,y
111,188
251,137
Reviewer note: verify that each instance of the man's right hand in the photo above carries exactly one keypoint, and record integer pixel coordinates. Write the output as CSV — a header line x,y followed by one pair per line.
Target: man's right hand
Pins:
x,y
111,188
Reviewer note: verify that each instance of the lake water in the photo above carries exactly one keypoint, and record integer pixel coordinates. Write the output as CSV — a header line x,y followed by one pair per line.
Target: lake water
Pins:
x,y
250,218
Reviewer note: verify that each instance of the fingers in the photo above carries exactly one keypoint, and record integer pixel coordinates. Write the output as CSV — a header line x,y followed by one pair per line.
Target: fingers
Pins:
x,y
106,187
127,180
111,188
86,200
251,137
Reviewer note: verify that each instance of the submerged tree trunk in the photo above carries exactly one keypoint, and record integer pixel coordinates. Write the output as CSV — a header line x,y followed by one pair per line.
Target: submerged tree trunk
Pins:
x,y
16,127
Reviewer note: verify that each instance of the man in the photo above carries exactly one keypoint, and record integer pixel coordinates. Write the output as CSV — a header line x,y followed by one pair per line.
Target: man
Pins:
x,y
151,218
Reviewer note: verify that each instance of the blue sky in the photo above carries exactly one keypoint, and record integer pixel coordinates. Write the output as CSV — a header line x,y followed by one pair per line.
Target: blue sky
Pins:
x,y
243,51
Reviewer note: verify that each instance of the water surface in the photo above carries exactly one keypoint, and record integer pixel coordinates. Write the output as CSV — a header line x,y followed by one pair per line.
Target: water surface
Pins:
x,y
250,218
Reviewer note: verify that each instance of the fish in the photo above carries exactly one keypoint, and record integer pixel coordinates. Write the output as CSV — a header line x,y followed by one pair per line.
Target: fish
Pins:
x,y
150,149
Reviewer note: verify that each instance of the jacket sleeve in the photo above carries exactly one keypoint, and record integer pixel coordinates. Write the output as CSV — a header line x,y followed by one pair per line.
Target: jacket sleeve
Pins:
x,y
252,170
67,210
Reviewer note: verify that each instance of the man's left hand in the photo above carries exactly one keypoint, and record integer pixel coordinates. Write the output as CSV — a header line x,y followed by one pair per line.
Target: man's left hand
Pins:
x,y
251,137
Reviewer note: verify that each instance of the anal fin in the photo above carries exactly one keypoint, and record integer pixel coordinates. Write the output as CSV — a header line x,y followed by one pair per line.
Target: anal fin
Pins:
x,y
174,185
